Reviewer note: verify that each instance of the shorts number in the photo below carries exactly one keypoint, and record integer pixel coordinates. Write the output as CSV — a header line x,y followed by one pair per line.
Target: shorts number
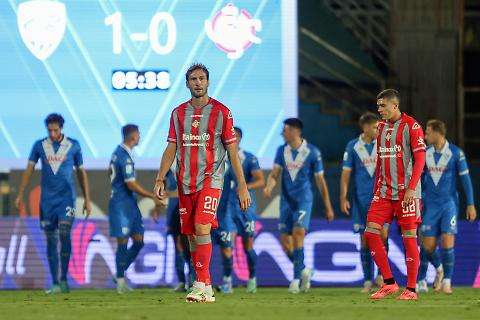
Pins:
x,y
225,236
70,212
211,203
411,208
250,227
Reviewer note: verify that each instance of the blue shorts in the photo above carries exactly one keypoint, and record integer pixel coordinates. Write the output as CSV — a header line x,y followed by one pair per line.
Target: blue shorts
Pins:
x,y
439,218
359,215
63,212
125,218
294,215
173,218
223,234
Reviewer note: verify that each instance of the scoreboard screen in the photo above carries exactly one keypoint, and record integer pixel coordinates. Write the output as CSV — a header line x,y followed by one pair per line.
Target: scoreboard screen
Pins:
x,y
106,63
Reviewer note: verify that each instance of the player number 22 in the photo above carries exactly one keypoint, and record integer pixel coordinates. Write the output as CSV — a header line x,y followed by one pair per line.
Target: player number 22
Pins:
x,y
211,203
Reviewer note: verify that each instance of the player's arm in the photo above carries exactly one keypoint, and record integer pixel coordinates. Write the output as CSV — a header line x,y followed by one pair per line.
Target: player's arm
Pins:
x,y
167,159
27,174
84,186
242,189
273,176
345,179
418,147
344,182
258,180
323,188
463,172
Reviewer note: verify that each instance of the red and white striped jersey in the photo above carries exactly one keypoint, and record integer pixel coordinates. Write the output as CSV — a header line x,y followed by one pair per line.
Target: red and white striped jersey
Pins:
x,y
201,135
396,144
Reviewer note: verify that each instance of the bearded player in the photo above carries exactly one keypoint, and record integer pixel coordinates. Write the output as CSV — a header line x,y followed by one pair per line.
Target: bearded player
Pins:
x,y
401,158
200,136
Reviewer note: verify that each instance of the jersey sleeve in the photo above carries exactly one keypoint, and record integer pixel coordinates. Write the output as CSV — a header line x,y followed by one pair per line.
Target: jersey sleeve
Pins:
x,y
348,157
253,164
78,156
128,170
278,158
172,133
461,163
34,153
317,161
417,140
228,133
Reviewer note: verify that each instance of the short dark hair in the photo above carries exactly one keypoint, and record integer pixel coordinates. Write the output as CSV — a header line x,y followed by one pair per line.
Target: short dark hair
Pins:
x,y
128,129
389,94
238,131
367,118
54,118
438,126
196,66
294,123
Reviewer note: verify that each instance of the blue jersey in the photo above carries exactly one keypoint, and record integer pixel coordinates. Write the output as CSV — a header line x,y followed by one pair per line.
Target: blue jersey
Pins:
x,y
249,165
439,180
298,169
171,185
361,158
58,161
122,170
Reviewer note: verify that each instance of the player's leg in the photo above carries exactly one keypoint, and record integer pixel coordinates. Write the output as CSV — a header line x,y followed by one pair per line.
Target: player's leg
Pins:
x,y
301,219
449,230
64,231
285,226
137,230
384,236
188,259
49,226
227,263
381,211
179,264
246,225
359,218
121,264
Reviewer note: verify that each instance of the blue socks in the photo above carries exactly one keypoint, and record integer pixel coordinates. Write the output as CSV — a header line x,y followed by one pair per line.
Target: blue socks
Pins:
x,y
422,271
121,259
65,248
227,265
252,262
367,264
180,265
289,255
133,252
298,265
448,261
434,258
52,254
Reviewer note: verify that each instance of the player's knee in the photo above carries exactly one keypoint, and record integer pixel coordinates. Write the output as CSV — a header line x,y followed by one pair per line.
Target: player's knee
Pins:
x,y
227,252
202,229
409,232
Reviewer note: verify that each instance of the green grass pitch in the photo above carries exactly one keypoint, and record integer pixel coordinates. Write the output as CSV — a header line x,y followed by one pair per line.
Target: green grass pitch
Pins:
x,y
268,303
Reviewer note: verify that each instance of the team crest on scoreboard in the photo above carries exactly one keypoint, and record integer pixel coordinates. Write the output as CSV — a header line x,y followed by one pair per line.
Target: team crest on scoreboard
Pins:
x,y
233,30
42,26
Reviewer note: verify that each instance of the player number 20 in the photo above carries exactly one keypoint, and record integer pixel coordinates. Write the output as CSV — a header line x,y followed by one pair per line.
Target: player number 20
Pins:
x,y
211,203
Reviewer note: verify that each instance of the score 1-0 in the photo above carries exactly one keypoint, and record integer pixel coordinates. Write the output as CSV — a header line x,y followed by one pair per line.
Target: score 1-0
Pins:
x,y
115,20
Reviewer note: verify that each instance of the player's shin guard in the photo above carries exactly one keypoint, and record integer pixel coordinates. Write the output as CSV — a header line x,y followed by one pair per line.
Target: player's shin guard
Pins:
x,y
367,262
412,259
422,271
133,252
227,263
65,249
52,254
448,261
298,265
378,253
180,265
252,262
203,254
121,259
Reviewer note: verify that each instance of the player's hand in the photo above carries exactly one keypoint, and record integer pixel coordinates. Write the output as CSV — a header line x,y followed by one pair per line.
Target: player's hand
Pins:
x,y
267,192
471,213
87,208
408,198
19,201
345,205
155,214
244,196
160,203
329,214
159,190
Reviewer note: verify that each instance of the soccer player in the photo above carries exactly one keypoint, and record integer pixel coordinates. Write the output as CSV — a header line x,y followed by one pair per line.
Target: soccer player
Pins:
x,y
445,161
200,136
401,158
124,216
245,221
360,159
59,155
297,162
182,254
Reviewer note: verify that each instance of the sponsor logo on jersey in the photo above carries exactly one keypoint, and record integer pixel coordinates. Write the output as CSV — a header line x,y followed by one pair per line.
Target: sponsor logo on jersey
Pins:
x,y
396,148
195,123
